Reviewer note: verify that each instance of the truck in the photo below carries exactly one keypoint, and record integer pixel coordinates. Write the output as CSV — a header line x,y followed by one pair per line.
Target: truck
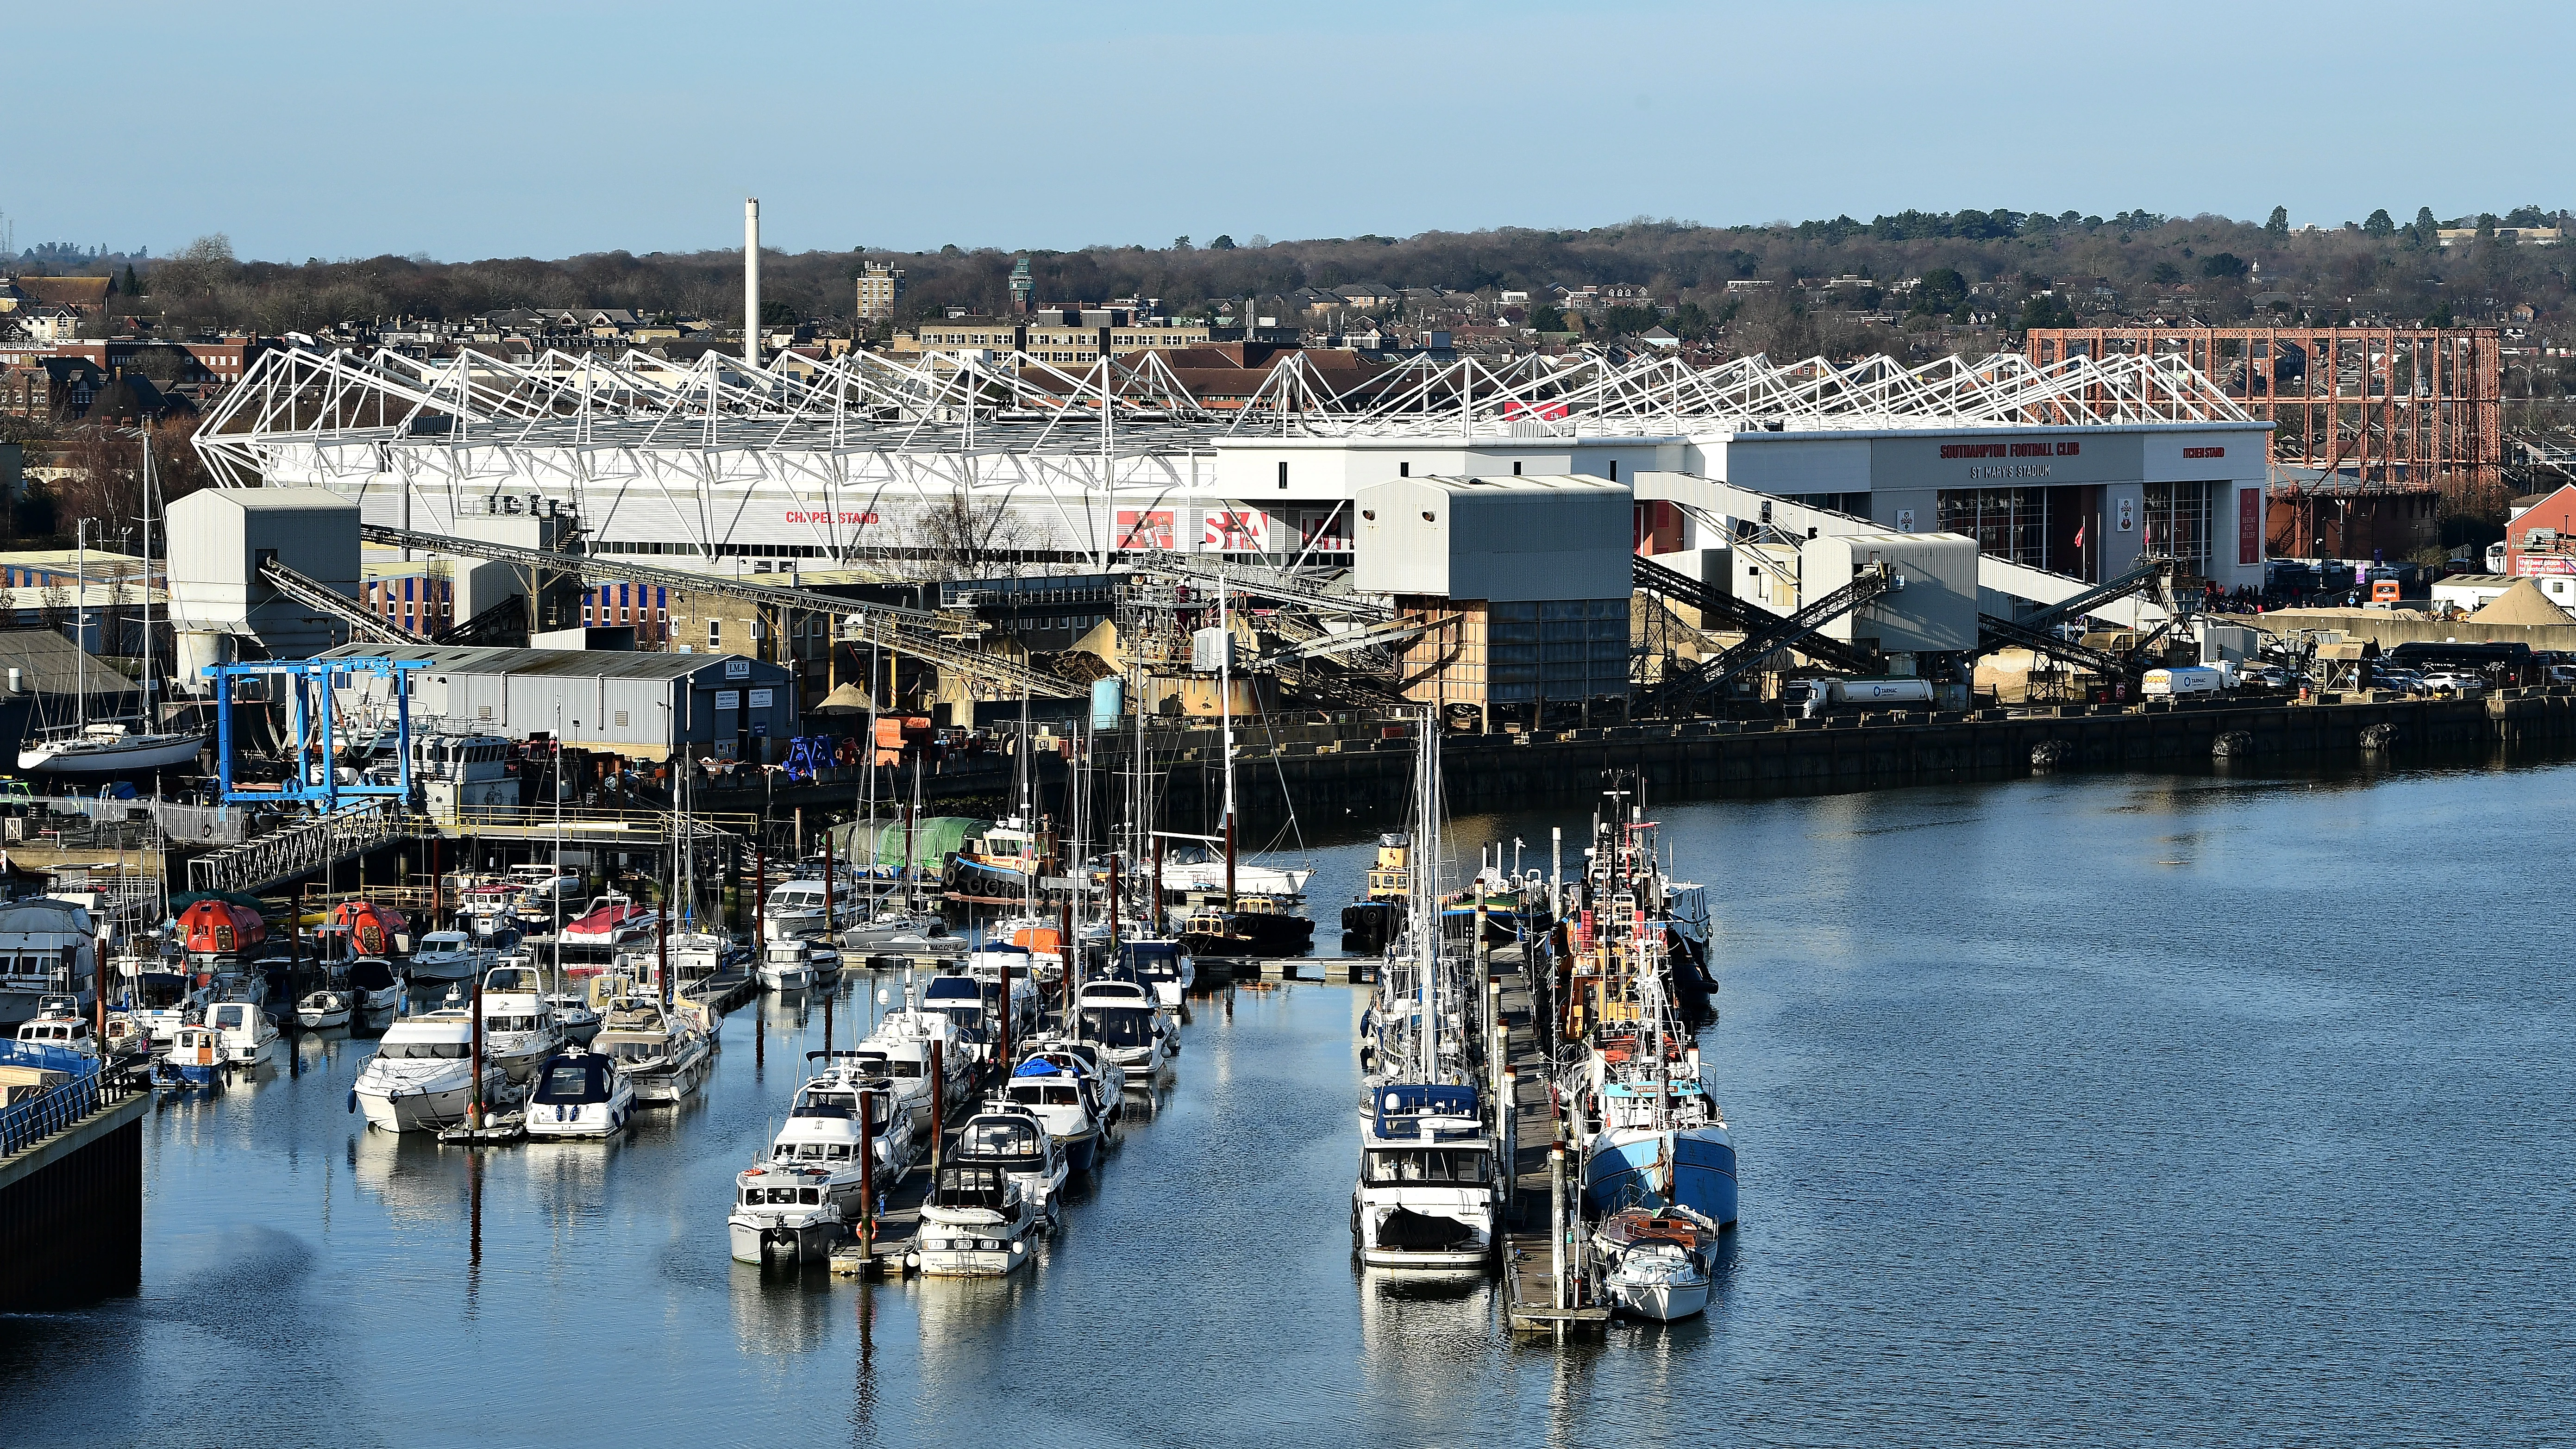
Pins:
x,y
1821,695
2182,680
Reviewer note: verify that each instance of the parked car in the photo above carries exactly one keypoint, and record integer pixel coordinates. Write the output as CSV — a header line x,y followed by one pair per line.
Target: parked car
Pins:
x,y
2405,681
2263,676
2459,682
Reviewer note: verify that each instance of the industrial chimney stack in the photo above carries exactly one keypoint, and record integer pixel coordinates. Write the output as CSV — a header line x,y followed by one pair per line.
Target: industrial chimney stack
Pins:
x,y
751,282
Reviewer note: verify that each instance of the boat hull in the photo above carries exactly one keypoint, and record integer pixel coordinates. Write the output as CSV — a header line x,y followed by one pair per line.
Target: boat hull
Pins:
x,y
756,1238
151,753
1692,1167
677,1080
585,1121
1661,1300
425,1111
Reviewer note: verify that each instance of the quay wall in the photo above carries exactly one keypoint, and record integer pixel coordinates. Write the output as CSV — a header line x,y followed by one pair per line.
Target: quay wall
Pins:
x,y
71,1213
1367,779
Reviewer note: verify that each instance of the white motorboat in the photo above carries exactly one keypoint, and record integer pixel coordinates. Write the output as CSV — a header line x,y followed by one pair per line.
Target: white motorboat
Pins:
x,y
904,1039
249,1037
422,1076
902,933
1162,966
449,956
786,964
160,1002
111,749
667,1054
579,1094
320,1009
1188,872
574,1014
1012,1138
823,1129
519,1028
795,908
375,986
976,1223
1125,1021
827,962
1425,1197
783,1215
1051,1088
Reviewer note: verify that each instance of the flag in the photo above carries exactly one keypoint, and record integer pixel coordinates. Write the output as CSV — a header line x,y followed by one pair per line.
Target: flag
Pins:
x,y
2079,535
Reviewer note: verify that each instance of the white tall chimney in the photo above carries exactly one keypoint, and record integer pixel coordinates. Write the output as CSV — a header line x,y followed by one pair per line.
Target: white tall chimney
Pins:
x,y
751,281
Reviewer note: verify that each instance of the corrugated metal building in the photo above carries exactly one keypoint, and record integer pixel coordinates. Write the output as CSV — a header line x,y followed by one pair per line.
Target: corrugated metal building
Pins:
x,y
1530,577
218,538
636,705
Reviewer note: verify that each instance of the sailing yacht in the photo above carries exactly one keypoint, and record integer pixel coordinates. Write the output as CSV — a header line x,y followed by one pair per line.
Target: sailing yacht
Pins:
x,y
1427,1192
112,747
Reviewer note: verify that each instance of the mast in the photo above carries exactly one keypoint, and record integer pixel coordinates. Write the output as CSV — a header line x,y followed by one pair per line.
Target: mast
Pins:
x,y
1225,714
1028,814
151,716
80,631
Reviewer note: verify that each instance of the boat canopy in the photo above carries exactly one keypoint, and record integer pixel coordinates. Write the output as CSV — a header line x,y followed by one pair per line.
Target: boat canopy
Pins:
x,y
1041,1067
370,973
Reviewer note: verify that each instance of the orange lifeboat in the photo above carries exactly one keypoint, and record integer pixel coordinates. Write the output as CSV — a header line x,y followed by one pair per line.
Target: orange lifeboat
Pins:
x,y
371,926
220,928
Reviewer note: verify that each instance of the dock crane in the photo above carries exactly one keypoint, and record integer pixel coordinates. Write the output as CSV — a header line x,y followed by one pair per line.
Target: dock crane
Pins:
x,y
1704,679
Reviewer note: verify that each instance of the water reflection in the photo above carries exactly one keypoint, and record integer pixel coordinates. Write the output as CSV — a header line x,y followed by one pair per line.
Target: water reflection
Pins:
x,y
779,1312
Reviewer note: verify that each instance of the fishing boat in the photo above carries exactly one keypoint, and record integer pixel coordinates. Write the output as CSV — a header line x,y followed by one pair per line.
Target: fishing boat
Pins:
x,y
423,1076
1652,1135
519,1029
666,1052
976,1223
322,1009
578,1094
63,1027
1009,1136
48,947
194,1061
1372,920
449,956
783,1216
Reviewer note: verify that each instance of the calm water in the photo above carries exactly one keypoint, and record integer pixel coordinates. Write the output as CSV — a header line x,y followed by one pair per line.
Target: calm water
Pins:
x,y
2095,1109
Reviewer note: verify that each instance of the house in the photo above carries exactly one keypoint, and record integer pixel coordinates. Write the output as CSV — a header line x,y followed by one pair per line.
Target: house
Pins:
x,y
49,322
1659,336
81,294
59,388
1369,295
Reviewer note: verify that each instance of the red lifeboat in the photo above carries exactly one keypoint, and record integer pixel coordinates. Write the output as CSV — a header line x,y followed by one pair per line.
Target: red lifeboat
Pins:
x,y
220,928
371,926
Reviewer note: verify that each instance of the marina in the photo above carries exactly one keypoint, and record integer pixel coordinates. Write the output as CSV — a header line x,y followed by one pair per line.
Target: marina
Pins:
x,y
1944,1109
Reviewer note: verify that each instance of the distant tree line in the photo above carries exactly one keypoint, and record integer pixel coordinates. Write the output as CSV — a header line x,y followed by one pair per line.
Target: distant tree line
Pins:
x,y
1912,270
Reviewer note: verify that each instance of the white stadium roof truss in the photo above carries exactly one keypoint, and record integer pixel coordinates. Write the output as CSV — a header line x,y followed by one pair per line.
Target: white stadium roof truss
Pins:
x,y
685,443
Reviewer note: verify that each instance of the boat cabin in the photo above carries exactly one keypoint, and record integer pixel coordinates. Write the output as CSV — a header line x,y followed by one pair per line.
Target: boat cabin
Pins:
x,y
574,1080
1423,1112
71,1033
1011,1141
974,1185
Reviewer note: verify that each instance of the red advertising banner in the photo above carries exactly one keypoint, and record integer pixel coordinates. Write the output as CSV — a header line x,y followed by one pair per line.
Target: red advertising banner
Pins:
x,y
1142,529
2249,525
1231,531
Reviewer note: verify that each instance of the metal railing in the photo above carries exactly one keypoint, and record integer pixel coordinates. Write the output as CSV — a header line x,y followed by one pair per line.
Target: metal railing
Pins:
x,y
58,1108
301,848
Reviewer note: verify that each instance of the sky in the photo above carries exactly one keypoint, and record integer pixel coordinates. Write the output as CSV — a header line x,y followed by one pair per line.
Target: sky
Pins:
x,y
472,129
